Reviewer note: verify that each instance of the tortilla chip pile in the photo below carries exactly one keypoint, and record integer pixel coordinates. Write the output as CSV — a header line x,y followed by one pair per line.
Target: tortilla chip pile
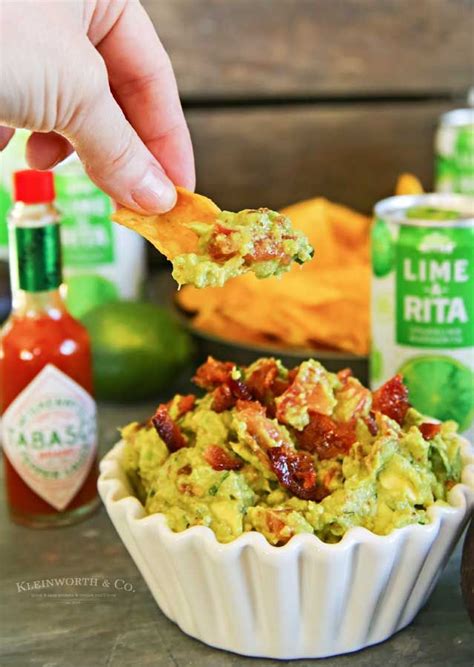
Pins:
x,y
321,305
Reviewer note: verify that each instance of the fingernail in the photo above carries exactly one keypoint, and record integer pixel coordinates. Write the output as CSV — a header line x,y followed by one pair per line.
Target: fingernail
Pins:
x,y
156,193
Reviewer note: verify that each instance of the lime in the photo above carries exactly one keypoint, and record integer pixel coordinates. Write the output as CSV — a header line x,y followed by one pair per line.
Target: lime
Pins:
x,y
440,387
87,291
383,250
138,349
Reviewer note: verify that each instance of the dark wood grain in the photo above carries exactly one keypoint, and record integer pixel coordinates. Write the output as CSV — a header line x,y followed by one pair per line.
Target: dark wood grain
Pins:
x,y
276,156
259,48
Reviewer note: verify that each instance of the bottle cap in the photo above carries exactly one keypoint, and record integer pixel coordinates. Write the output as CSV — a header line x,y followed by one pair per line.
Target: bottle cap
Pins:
x,y
33,187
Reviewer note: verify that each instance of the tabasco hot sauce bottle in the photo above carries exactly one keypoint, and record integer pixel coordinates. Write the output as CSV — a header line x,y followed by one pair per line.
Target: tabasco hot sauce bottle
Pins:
x,y
48,413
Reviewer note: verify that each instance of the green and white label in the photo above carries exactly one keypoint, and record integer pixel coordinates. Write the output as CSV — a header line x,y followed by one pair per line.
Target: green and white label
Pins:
x,y
87,234
455,167
434,287
49,436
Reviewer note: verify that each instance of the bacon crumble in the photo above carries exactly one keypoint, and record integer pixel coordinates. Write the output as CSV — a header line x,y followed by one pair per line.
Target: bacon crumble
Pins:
x,y
325,437
391,399
167,429
295,471
219,459
429,430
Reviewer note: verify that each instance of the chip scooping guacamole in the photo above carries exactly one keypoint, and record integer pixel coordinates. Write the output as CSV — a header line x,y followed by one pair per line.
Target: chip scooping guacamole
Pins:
x,y
261,241
207,246
283,452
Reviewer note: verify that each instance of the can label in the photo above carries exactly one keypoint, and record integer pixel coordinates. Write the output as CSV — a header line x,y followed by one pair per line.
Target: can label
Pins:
x,y
434,304
454,164
423,308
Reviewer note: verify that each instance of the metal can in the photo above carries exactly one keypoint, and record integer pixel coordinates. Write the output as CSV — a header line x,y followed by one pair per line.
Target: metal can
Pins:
x,y
454,152
423,301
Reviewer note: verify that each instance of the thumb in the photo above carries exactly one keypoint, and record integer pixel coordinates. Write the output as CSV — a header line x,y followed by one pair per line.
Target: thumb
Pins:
x,y
113,154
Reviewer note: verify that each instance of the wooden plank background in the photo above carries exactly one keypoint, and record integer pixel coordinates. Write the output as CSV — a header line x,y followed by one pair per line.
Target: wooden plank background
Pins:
x,y
260,48
288,99
276,156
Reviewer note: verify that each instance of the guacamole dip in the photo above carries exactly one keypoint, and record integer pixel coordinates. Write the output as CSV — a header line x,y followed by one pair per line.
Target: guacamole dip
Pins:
x,y
284,452
261,241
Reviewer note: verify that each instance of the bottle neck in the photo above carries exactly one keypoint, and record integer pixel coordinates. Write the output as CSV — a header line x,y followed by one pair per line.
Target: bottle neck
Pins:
x,y
34,304
35,259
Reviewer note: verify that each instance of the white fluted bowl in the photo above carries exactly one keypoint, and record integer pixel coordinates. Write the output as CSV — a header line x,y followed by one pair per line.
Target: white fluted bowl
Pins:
x,y
306,599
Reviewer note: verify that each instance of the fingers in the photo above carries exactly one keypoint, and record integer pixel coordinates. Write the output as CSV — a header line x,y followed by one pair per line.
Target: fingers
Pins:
x,y
113,154
45,150
143,83
6,133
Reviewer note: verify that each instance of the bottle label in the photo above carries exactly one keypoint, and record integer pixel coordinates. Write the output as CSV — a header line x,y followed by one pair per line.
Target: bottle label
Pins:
x,y
50,437
37,257
87,232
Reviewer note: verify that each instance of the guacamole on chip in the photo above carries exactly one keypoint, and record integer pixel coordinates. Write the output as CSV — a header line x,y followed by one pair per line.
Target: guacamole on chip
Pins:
x,y
283,452
208,246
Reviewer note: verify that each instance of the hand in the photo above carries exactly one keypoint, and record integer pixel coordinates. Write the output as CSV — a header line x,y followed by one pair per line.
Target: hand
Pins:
x,y
92,76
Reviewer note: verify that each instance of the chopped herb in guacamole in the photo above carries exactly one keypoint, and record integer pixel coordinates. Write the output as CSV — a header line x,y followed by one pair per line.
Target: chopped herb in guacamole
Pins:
x,y
261,241
283,452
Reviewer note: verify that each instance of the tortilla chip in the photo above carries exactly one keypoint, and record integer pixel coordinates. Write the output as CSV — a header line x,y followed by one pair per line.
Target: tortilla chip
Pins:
x,y
218,324
168,231
408,184
193,299
338,234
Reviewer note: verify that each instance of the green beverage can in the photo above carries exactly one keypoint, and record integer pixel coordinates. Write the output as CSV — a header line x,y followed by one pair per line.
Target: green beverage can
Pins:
x,y
423,302
454,152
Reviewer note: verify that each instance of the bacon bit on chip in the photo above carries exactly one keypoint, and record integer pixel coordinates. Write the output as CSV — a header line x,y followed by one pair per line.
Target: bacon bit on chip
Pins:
x,y
222,246
219,459
391,399
265,250
429,430
371,423
185,470
295,471
213,373
326,437
167,429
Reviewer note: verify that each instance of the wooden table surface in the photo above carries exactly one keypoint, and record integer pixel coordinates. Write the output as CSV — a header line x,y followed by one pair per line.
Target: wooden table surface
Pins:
x,y
102,615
